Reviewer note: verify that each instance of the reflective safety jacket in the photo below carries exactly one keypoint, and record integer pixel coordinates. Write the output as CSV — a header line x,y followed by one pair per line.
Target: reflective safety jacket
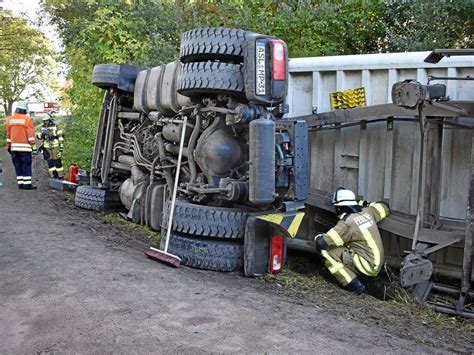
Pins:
x,y
52,137
358,232
20,133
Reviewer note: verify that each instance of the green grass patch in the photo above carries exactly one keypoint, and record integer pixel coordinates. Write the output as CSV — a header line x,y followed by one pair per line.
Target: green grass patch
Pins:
x,y
130,227
3,131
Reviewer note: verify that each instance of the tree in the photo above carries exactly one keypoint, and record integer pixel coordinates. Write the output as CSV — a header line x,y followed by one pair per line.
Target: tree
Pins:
x,y
425,25
25,59
148,32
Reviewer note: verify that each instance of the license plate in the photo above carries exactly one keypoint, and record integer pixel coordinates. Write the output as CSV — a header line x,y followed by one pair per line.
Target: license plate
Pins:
x,y
260,69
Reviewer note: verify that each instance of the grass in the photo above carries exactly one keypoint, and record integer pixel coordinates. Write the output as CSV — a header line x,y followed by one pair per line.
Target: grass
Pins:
x,y
3,132
130,227
396,311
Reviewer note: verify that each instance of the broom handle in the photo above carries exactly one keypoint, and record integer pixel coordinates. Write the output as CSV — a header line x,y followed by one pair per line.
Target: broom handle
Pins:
x,y
175,189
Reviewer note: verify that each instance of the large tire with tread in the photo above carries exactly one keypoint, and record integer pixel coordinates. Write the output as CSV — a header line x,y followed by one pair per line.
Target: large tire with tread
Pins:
x,y
122,77
204,78
206,221
207,254
93,198
106,76
213,43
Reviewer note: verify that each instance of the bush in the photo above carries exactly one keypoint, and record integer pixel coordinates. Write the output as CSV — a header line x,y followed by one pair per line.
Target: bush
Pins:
x,y
3,131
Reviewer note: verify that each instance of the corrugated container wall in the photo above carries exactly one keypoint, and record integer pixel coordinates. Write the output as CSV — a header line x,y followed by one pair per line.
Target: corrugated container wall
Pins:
x,y
376,162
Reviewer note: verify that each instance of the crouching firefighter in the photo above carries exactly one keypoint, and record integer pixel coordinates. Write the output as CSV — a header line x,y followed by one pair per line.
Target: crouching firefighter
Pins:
x,y
353,247
53,145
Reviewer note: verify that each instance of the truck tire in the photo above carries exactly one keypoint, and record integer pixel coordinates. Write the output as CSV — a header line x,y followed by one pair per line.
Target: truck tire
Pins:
x,y
203,78
206,221
122,77
213,43
93,198
106,76
207,254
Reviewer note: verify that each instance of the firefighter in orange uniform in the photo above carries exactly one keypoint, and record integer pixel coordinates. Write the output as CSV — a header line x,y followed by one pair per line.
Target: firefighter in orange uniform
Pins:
x,y
21,144
353,247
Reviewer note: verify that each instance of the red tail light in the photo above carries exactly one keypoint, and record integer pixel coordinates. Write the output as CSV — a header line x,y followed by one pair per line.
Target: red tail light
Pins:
x,y
278,60
276,254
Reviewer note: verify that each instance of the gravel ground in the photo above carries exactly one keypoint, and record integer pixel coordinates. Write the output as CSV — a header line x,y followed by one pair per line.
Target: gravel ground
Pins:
x,y
72,283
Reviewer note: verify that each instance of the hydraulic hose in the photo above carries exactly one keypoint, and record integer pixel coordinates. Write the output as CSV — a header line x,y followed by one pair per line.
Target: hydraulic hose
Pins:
x,y
191,146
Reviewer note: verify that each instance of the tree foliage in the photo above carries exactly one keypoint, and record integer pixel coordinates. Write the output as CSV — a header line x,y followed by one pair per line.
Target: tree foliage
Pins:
x,y
25,59
147,32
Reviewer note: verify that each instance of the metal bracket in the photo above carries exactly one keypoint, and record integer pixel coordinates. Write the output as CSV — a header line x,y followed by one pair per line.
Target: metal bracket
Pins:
x,y
439,246
415,270
449,108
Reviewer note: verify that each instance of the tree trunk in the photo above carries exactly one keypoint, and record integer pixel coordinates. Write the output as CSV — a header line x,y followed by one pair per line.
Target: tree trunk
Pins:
x,y
8,105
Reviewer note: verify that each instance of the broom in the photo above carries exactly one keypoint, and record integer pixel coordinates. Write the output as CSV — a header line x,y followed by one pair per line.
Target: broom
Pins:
x,y
163,255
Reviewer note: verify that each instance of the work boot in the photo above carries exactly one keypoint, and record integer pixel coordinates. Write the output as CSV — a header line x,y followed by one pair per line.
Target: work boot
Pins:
x,y
356,286
30,187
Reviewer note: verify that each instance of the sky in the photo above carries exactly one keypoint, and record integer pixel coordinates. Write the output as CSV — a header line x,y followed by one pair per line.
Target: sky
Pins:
x,y
30,9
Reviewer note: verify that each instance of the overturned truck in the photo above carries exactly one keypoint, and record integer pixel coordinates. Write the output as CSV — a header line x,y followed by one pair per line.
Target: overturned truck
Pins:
x,y
244,168
267,138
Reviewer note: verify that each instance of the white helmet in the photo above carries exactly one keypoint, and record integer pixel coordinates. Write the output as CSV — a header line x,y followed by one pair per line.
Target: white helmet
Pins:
x,y
47,117
343,197
22,105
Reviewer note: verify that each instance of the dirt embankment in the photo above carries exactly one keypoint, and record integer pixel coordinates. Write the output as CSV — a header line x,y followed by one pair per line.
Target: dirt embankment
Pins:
x,y
72,282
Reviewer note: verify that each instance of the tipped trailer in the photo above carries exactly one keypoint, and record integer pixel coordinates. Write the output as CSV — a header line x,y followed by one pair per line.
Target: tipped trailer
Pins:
x,y
267,138
411,146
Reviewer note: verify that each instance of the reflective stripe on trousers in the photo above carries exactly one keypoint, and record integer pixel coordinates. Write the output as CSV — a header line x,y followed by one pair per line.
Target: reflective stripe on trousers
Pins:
x,y
341,272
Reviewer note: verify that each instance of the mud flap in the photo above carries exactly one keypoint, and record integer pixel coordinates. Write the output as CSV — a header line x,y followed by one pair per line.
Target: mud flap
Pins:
x,y
414,270
258,232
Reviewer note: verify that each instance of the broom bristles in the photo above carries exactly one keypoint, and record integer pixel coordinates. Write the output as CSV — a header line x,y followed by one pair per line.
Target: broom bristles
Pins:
x,y
164,257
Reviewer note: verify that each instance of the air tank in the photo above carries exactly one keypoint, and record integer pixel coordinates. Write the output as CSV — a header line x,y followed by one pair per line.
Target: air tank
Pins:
x,y
262,161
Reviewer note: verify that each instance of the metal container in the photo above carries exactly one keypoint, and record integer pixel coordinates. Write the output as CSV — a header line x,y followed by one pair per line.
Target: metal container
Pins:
x,y
381,161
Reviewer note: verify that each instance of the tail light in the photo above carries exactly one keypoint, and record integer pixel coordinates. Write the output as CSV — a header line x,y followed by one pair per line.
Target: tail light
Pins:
x,y
265,70
278,60
276,253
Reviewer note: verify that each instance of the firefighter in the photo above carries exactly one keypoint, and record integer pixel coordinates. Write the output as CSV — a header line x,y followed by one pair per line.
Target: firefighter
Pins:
x,y
53,145
353,247
21,144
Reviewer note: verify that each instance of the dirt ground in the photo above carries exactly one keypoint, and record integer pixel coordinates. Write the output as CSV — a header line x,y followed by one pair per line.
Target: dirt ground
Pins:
x,y
72,282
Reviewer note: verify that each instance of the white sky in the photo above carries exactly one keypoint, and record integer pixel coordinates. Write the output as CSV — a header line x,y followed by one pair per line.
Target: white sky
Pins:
x,y
30,9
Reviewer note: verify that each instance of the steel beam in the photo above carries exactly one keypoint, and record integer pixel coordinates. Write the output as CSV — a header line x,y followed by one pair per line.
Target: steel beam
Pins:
x,y
447,109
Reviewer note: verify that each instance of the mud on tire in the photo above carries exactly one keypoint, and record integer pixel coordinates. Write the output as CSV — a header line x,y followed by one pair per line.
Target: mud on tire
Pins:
x,y
207,221
206,254
204,78
213,43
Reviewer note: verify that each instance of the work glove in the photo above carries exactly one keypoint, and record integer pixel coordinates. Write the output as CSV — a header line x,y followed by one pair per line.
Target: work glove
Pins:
x,y
59,154
9,150
363,203
319,242
34,150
